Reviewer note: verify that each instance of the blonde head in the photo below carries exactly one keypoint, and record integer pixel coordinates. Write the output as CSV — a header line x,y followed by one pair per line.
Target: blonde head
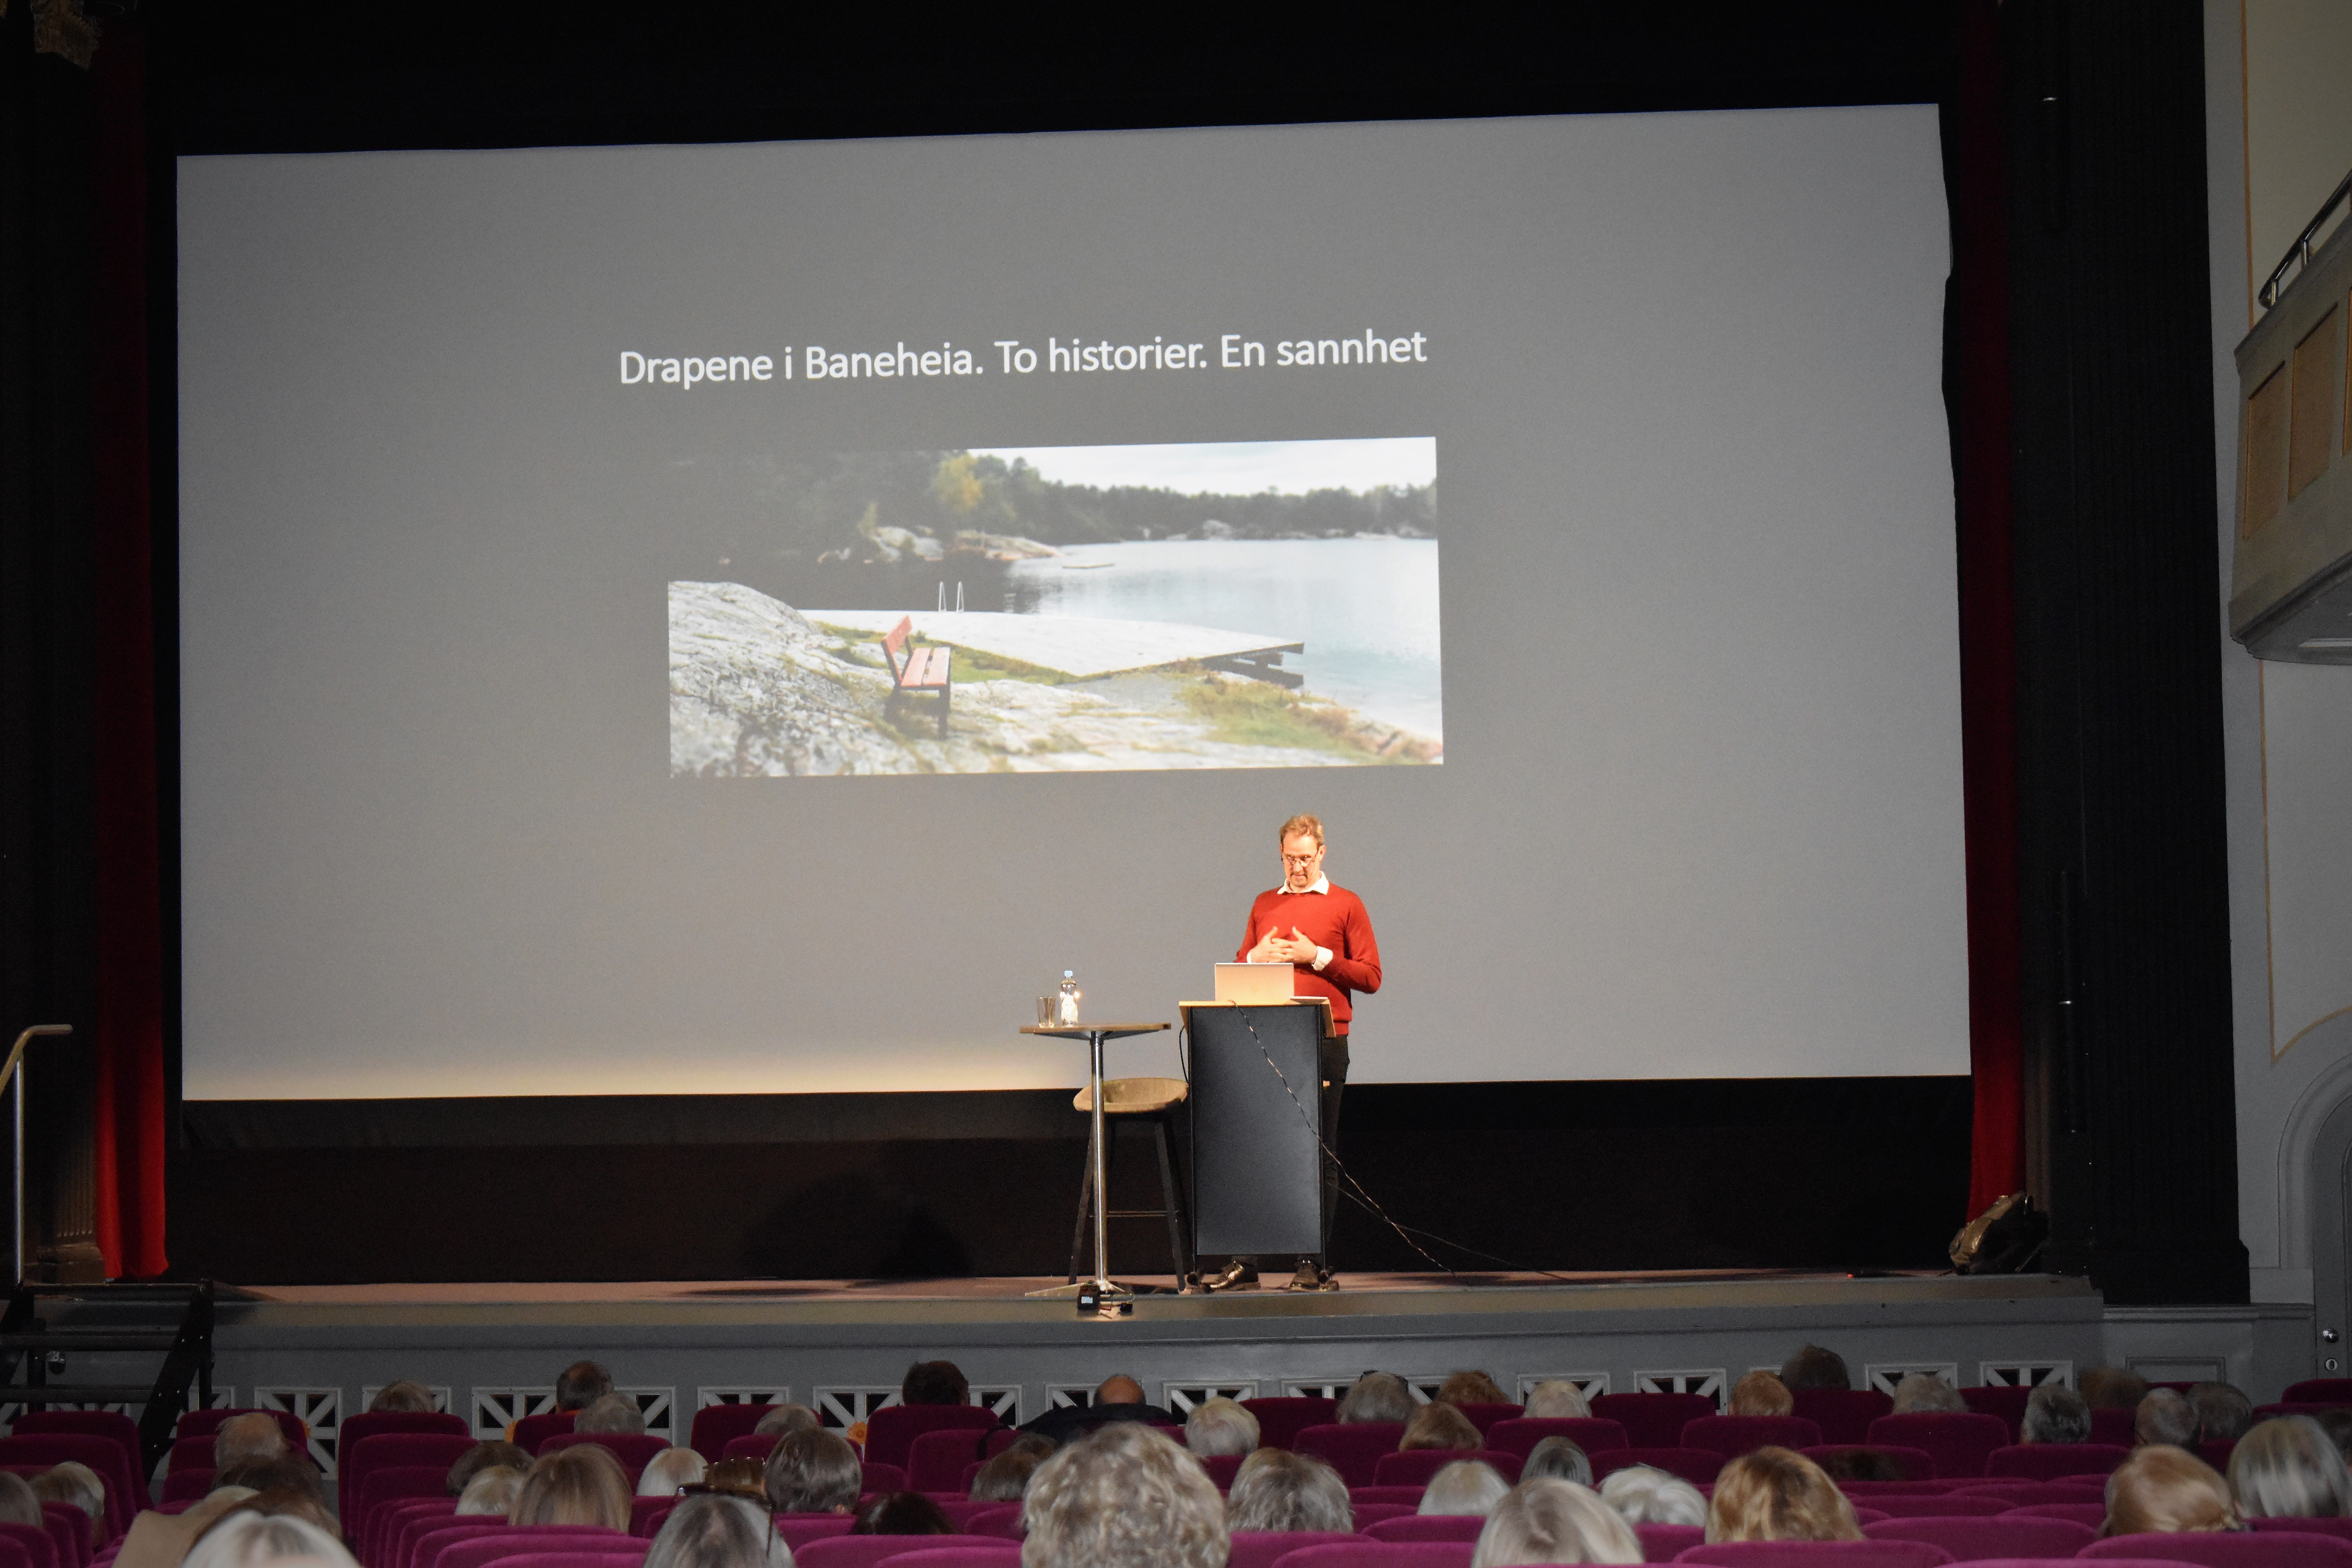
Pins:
x,y
1435,1425
583,1484
1762,1394
1553,1521
1772,1494
2168,1490
1123,1495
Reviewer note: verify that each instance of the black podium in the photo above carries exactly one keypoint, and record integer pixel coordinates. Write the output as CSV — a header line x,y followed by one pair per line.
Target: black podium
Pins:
x,y
1257,1097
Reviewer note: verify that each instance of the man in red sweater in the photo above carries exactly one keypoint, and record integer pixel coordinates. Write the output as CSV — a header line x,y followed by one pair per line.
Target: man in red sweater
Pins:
x,y
1325,935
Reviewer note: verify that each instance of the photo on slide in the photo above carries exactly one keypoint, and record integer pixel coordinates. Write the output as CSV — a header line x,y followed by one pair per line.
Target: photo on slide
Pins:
x,y
1241,604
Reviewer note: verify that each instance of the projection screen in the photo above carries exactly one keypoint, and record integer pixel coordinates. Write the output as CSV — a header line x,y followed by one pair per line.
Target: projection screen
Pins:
x,y
714,619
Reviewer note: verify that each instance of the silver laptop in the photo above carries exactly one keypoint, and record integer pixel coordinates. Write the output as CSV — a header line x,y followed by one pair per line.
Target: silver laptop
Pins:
x,y
1258,983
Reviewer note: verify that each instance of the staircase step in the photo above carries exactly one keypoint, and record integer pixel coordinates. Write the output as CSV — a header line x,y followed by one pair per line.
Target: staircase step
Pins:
x,y
77,1340
78,1394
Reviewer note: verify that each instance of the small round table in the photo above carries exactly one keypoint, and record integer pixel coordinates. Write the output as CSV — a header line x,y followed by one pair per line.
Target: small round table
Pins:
x,y
1101,1285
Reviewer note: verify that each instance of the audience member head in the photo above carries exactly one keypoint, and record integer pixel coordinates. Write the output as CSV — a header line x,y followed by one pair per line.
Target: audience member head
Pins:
x,y
902,1513
1464,1486
1004,1477
1377,1396
743,1474
1124,1496
1435,1425
611,1413
2167,1490
2224,1413
786,1418
1772,1494
1559,1459
1925,1393
405,1398
491,1490
1470,1388
2113,1388
709,1530
1277,1489
76,1484
240,1539
2165,1417
1813,1367
2338,1425
482,1456
583,1484
1118,1389
670,1469
934,1383
1642,1495
813,1471
2055,1414
283,1472
1762,1394
582,1385
1863,1465
1548,1521
1218,1426
19,1504
288,1502
252,1436
1558,1399
2290,1469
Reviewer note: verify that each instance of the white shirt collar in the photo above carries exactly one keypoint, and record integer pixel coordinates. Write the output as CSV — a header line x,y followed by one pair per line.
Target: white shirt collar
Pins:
x,y
1321,885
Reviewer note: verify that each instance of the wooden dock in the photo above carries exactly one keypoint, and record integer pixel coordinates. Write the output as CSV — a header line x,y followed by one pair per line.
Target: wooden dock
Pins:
x,y
1082,645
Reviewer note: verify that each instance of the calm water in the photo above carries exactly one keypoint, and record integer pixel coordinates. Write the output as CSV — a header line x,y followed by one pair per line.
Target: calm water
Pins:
x,y
1366,608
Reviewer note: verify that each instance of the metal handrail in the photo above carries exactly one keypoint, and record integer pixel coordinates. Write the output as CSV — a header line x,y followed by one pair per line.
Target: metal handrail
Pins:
x,y
13,1073
2299,253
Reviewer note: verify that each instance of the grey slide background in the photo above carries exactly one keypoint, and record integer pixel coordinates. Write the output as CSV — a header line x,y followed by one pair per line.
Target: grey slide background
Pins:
x,y
1700,810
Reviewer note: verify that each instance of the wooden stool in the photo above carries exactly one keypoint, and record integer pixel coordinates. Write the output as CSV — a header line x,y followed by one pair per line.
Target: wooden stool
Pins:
x,y
1127,1097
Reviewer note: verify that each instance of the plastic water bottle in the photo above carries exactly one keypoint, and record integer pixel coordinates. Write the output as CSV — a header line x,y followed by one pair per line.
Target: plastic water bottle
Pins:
x,y
1069,999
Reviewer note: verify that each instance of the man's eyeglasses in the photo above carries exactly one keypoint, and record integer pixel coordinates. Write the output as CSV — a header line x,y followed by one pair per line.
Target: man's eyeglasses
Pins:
x,y
1301,859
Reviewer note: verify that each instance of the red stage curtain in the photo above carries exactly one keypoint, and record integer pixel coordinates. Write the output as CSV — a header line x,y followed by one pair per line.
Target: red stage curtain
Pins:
x,y
130,1099
1980,471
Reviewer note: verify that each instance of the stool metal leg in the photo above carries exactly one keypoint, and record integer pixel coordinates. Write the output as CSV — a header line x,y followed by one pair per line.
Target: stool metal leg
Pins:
x,y
1085,1209
1173,1200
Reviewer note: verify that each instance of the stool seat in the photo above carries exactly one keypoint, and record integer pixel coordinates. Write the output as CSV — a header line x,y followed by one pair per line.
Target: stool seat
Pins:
x,y
1133,1096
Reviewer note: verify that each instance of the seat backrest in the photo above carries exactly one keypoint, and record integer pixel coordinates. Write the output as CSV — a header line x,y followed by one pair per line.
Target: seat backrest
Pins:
x,y
1002,1555
1661,1542
69,1527
1352,1447
2340,1528
1221,1468
1520,1436
881,1477
864,1551
1485,1417
1844,1415
186,1487
2217,1548
525,1540
1652,1420
716,1425
1261,1548
1863,1553
394,1520
2113,1426
1732,1435
1917,1464
1957,1443
2216,1452
1951,1505
413,1524
531,1431
751,1445
796,1530
356,1429
1368,1514
2003,1402
1280,1420
2006,1536
1416,1466
2093,1514
384,1485
205,1422
424,1547
108,1423
2319,1391
647,1515
39,1545
2046,1461
189,1453
1697,1466
1003,1520
936,1461
358,1459
891,1430
590,1556
103,1454
1363,1552
1428,1527
636,1450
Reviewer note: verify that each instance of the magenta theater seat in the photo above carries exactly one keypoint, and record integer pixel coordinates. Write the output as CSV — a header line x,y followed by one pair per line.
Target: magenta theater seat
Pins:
x,y
1663,1542
1966,1540
1280,1420
1951,1505
1653,1420
1352,1447
866,1551
40,1548
1004,1554
70,1528
1520,1436
108,1423
2047,1461
205,1422
648,1514
381,1489
751,1445
530,1539
1221,1468
717,1424
890,1430
2330,1391
936,1461
412,1526
1003,1520
2258,1549
1261,1548
529,1431
1697,1466
185,1486
1486,1417
1363,1496
1844,1415
796,1530
356,1461
356,1429
2093,1514
576,1557
1732,1435
636,1450
1368,1514
101,1453
1863,1554
385,1531
1957,1443
1428,1527
2114,1428
1917,1464
2340,1528
2004,1402
424,1548
882,1477
1415,1467
1362,1552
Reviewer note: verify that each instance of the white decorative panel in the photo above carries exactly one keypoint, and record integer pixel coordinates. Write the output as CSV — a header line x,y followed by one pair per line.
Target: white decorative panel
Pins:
x,y
318,1409
1069,1396
1004,1401
657,1406
496,1410
440,1392
1708,1380
1883,1375
1183,1398
846,1406
705,1397
1589,1383
2025,1374
1316,1388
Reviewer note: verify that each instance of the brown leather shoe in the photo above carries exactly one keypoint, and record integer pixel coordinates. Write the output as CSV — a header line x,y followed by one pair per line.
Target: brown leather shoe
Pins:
x,y
1239,1274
